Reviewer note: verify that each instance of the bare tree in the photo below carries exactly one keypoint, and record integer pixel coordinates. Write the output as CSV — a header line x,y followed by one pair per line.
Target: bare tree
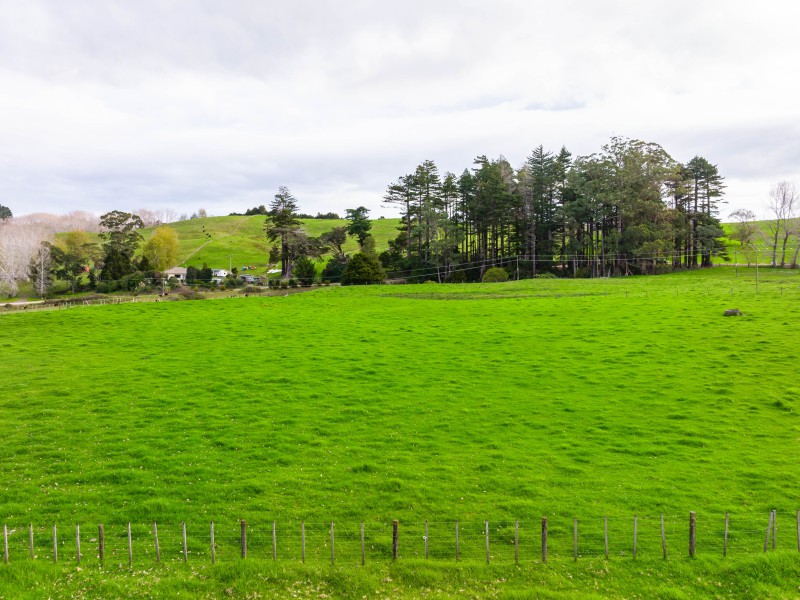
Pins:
x,y
19,242
150,218
783,204
40,270
74,221
745,228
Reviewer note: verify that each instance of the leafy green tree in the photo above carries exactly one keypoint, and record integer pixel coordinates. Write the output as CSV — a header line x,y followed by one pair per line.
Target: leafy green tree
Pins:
x,y
362,269
745,228
5,213
335,240
205,274
161,250
121,240
304,271
358,223
73,255
192,274
116,265
334,268
144,265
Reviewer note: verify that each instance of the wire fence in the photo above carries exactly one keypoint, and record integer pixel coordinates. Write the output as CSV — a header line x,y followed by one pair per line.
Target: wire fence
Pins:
x,y
353,543
739,288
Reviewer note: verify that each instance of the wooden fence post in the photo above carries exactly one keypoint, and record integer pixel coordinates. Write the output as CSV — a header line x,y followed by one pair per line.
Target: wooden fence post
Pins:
x,y
303,541
725,540
575,540
663,539
213,545
774,527
516,542
457,539
395,540
605,534
30,537
692,532
635,533
544,539
426,539
274,542
362,543
486,528
101,542
333,552
769,532
130,546
78,543
55,543
185,549
243,538
155,540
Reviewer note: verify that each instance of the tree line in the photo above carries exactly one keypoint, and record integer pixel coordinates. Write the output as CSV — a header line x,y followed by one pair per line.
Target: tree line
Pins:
x,y
122,259
629,208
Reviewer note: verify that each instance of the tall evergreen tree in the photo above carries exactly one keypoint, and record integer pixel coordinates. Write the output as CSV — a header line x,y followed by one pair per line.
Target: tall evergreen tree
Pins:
x,y
282,223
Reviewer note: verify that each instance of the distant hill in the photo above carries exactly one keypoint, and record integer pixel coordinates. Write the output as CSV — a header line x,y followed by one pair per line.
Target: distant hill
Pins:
x,y
240,241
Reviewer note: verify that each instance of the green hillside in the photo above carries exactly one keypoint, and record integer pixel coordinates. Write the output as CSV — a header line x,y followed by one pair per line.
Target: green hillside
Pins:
x,y
240,241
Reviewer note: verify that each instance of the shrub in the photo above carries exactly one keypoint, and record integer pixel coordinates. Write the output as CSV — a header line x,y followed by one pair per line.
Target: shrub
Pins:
x,y
363,269
333,269
546,275
495,275
458,277
191,295
292,282
284,285
305,271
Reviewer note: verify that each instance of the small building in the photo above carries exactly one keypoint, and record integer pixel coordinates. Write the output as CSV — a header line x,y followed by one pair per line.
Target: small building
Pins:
x,y
219,272
178,273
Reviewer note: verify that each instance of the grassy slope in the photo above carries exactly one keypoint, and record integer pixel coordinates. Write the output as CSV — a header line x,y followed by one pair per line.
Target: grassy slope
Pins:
x,y
558,398
220,241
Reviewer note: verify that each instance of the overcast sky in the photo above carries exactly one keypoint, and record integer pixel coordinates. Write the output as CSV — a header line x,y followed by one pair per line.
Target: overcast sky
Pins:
x,y
214,104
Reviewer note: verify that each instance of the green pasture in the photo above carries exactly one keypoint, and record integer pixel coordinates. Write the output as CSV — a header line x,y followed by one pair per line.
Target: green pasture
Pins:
x,y
502,402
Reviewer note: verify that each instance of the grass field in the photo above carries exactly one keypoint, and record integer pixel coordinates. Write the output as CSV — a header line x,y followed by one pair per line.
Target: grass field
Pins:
x,y
583,398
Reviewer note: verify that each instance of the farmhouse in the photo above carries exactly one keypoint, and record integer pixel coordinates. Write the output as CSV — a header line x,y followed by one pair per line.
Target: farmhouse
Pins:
x,y
178,273
219,272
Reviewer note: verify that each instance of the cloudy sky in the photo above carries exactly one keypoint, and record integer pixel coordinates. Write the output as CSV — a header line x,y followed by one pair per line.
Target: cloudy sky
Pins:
x,y
214,104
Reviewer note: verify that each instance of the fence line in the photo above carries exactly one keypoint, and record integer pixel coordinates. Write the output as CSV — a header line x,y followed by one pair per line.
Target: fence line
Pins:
x,y
355,543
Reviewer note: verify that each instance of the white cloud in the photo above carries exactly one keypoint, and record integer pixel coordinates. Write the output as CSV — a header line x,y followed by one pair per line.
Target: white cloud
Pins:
x,y
215,104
